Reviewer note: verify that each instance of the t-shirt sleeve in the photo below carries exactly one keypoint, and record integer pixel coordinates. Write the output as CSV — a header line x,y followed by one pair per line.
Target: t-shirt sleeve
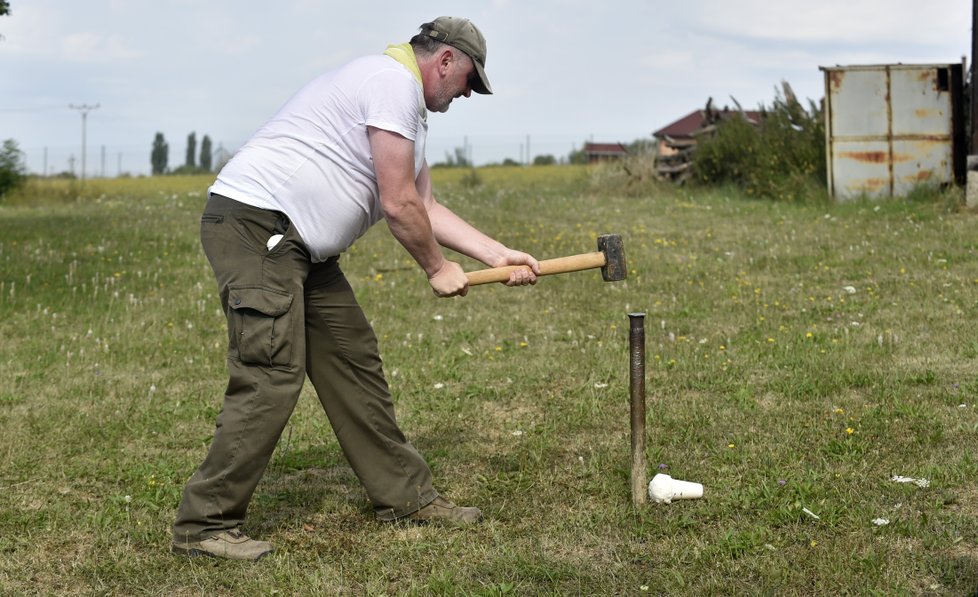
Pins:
x,y
390,100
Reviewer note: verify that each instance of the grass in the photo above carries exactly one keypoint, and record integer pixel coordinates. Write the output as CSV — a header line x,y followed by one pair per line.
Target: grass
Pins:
x,y
798,357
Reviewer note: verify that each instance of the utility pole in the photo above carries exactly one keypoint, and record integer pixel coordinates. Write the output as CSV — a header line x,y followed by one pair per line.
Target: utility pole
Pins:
x,y
84,109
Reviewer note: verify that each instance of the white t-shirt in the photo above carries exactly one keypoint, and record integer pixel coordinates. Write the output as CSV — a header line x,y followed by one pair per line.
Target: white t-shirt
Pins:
x,y
312,159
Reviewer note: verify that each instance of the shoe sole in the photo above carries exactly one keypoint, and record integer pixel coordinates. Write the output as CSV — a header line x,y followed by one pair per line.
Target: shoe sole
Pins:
x,y
193,552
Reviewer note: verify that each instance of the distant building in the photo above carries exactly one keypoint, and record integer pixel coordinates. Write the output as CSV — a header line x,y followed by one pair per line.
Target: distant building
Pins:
x,y
682,134
601,152
675,142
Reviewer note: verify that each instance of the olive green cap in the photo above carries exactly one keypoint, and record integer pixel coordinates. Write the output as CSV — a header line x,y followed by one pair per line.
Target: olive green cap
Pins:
x,y
465,36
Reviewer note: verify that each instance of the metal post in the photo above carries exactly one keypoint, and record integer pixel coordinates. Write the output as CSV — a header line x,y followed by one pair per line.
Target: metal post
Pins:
x,y
973,133
637,385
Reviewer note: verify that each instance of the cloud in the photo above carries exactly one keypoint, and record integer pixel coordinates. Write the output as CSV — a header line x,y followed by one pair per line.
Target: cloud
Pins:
x,y
95,48
826,21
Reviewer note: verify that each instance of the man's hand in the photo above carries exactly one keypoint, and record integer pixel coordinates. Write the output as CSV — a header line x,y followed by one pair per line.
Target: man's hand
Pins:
x,y
521,276
450,280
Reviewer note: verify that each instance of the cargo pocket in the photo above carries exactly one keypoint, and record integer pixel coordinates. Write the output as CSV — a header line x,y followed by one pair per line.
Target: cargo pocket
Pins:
x,y
261,325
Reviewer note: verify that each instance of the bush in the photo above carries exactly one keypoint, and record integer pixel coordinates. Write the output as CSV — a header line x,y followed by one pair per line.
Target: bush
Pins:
x,y
782,157
13,172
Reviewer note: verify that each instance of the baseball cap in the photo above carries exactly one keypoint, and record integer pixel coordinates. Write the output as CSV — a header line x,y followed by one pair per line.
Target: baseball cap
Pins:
x,y
465,36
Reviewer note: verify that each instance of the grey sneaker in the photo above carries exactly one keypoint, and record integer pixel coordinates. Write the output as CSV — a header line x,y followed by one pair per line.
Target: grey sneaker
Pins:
x,y
443,510
232,545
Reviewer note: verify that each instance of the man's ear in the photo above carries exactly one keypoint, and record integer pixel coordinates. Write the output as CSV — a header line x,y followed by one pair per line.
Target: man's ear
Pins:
x,y
444,59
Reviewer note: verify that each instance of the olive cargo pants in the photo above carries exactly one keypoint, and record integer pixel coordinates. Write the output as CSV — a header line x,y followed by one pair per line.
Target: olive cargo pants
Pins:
x,y
288,317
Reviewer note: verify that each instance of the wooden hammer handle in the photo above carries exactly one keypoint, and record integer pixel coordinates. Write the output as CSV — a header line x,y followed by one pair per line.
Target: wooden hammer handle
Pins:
x,y
561,265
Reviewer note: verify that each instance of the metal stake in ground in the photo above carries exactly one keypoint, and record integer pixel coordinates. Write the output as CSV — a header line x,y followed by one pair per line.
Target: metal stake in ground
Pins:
x,y
637,344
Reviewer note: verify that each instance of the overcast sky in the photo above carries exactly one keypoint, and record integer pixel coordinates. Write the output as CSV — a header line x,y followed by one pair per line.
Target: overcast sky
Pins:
x,y
563,71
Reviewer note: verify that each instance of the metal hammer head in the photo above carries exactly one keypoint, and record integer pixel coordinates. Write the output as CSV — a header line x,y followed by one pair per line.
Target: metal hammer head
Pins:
x,y
614,257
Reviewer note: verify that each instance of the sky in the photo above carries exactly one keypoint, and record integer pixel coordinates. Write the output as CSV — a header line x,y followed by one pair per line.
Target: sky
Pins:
x,y
563,71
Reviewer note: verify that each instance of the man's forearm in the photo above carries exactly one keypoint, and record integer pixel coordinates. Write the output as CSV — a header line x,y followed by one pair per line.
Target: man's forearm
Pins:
x,y
453,232
409,223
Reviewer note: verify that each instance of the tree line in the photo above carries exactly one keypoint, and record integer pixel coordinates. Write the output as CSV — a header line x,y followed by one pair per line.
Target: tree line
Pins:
x,y
159,157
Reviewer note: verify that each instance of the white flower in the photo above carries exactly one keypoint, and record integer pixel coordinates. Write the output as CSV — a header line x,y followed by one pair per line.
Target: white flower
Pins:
x,y
437,317
600,385
849,289
881,522
439,386
518,433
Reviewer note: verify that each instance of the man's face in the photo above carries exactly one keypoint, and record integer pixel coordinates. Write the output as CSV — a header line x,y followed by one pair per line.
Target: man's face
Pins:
x,y
457,83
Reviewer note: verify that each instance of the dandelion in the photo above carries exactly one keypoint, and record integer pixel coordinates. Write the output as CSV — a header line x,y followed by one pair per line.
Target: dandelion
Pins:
x,y
731,445
850,430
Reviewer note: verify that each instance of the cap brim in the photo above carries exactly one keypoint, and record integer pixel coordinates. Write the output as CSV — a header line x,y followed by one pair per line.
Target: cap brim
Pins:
x,y
482,80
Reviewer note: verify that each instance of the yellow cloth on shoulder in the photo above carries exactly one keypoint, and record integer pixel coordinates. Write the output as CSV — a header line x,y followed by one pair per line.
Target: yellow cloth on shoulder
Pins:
x,y
404,54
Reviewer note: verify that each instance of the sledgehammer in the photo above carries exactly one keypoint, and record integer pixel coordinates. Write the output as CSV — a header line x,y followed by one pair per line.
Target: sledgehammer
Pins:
x,y
610,257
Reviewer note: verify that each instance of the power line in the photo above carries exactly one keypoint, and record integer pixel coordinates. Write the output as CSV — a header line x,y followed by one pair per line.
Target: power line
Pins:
x,y
31,109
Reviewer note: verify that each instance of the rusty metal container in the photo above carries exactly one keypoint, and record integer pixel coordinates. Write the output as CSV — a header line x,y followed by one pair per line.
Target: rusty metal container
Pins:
x,y
890,128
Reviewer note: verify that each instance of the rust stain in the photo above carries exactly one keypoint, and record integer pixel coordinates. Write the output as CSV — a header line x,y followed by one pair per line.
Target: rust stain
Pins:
x,y
868,185
872,157
835,78
925,76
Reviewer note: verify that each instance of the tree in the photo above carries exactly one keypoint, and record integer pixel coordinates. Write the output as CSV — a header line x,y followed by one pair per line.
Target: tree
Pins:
x,y
12,169
160,155
191,151
459,160
205,154
544,160
577,156
4,10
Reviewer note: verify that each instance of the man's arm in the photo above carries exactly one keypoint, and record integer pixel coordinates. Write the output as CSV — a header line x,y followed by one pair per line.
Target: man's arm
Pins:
x,y
453,232
406,212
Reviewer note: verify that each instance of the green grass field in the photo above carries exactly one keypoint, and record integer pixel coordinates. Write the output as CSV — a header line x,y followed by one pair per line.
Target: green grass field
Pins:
x,y
798,358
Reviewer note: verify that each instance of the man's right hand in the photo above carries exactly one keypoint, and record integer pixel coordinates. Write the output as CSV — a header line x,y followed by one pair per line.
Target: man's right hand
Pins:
x,y
449,280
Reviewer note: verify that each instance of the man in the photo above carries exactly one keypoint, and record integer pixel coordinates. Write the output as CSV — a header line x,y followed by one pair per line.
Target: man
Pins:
x,y
344,152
